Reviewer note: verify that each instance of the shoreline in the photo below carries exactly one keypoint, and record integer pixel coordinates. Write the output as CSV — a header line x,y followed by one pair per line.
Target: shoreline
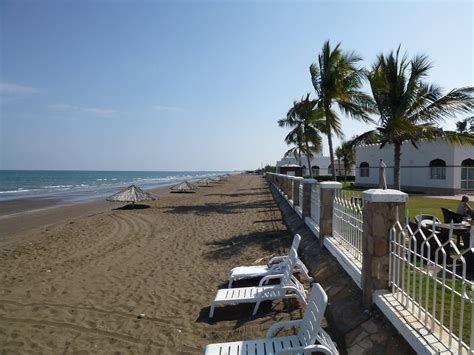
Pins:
x,y
26,215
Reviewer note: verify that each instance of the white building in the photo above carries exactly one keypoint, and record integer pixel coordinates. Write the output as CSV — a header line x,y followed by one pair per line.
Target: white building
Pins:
x,y
320,164
435,168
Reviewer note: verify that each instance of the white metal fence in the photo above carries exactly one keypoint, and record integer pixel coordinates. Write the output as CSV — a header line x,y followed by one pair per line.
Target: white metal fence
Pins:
x,y
315,203
347,222
427,274
300,198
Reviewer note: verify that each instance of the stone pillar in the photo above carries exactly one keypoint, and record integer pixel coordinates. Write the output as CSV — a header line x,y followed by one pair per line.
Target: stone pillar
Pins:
x,y
328,191
306,203
379,216
296,190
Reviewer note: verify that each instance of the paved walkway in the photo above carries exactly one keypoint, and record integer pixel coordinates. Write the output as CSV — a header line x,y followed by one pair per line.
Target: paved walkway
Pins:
x,y
356,331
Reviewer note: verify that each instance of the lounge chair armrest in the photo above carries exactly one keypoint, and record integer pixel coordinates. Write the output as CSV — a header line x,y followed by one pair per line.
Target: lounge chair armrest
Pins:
x,y
306,350
265,279
276,260
284,324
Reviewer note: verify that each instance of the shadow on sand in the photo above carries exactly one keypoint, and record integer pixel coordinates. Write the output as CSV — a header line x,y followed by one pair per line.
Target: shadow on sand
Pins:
x,y
269,241
132,207
221,208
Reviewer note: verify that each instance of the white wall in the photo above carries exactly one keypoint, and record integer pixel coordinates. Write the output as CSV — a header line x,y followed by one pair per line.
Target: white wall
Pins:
x,y
415,170
321,161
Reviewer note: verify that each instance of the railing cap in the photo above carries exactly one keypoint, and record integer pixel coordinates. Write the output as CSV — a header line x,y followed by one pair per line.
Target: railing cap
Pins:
x,y
388,195
330,185
310,181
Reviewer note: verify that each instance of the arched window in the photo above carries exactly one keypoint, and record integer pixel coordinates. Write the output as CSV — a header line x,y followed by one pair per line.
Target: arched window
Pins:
x,y
315,170
467,174
305,170
330,169
438,169
364,169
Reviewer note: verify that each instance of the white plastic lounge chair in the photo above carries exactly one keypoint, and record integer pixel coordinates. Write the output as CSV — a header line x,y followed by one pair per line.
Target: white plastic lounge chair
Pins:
x,y
274,266
289,287
304,342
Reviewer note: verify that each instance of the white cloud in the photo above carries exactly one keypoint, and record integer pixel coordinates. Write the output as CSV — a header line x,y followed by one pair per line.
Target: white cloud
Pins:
x,y
15,89
93,111
9,91
170,108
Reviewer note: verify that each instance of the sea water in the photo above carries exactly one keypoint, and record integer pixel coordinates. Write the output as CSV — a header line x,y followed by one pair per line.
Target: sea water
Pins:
x,y
83,185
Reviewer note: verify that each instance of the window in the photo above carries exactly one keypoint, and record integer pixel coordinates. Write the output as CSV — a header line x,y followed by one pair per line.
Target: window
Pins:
x,y
330,169
315,169
467,174
438,169
364,169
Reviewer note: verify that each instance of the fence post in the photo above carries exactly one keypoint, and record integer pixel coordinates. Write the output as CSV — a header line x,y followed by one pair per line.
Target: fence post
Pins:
x,y
296,190
328,191
379,216
306,184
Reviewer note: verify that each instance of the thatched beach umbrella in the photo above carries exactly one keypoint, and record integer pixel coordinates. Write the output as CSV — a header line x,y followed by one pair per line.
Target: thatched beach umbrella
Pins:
x,y
215,178
205,180
131,194
184,186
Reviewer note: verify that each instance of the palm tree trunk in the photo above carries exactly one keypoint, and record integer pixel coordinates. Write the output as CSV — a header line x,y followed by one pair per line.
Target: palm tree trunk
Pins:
x,y
396,159
331,152
345,171
309,160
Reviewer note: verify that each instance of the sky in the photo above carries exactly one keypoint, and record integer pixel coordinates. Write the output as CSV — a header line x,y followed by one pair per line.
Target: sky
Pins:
x,y
192,85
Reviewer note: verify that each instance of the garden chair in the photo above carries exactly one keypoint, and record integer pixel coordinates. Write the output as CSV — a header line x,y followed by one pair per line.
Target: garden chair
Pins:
x,y
449,216
289,287
274,266
309,338
426,220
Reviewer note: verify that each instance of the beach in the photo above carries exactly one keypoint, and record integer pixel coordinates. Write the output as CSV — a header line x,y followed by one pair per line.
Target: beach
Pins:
x,y
98,279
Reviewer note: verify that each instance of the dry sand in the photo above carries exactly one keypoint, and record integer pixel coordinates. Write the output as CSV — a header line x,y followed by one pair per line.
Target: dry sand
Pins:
x,y
81,285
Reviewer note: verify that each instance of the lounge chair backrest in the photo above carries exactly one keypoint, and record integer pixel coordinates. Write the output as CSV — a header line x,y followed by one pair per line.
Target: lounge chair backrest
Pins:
x,y
296,242
314,313
290,263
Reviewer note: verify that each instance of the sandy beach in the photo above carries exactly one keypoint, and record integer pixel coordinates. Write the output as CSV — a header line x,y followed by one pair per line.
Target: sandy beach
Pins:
x,y
81,284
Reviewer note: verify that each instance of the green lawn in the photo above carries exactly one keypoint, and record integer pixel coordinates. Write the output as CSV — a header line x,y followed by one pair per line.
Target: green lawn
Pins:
x,y
419,204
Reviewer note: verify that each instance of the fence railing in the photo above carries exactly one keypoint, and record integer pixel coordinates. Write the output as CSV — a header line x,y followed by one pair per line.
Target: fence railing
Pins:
x,y
300,191
427,275
348,223
315,203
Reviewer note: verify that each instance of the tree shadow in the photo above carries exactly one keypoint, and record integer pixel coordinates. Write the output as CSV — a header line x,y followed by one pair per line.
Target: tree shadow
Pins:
x,y
267,221
269,241
240,194
220,208
131,207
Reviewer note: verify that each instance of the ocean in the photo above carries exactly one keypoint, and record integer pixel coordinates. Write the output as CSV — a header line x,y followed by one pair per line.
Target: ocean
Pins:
x,y
83,185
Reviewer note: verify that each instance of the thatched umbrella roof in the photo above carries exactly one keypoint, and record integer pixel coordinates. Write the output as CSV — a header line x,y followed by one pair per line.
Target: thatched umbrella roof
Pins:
x,y
183,186
131,194
215,178
205,180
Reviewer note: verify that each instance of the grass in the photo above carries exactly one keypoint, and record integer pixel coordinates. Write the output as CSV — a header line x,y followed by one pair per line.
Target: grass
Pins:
x,y
418,204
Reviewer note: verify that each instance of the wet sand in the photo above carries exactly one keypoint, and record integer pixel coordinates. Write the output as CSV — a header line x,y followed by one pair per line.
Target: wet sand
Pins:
x,y
82,283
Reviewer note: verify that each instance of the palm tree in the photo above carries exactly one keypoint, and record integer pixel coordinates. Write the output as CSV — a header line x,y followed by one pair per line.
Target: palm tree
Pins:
x,y
409,108
466,125
346,152
337,80
307,122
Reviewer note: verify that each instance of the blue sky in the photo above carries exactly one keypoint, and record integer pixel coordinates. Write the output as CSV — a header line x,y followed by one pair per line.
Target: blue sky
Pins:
x,y
191,85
